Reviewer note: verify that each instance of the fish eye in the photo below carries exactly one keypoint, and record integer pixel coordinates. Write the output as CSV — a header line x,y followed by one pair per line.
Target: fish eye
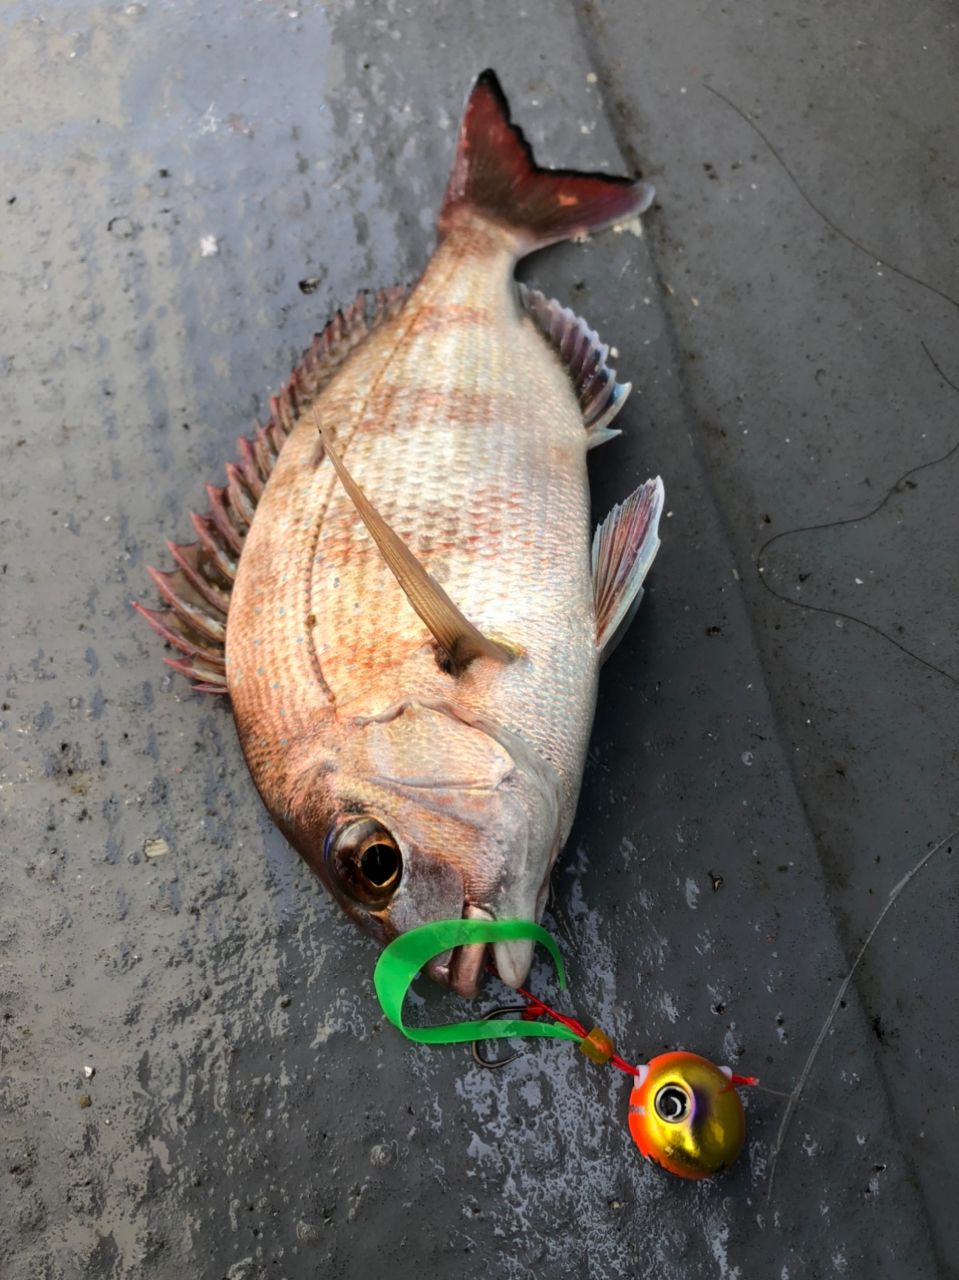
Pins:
x,y
671,1103
365,860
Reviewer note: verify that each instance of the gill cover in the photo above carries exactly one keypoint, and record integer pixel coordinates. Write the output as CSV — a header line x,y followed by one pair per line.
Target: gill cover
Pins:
x,y
685,1114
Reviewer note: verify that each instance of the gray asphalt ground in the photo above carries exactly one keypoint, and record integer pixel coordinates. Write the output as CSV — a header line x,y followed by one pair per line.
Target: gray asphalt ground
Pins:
x,y
775,746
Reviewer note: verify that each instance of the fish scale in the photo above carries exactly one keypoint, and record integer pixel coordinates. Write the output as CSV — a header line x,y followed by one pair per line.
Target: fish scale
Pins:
x,y
414,624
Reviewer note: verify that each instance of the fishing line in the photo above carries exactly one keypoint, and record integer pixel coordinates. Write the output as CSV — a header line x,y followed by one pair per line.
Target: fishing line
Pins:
x,y
831,1016
836,524
844,235
906,275
860,1130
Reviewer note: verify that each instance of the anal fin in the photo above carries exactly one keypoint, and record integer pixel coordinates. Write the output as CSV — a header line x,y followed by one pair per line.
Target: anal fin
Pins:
x,y
584,356
624,547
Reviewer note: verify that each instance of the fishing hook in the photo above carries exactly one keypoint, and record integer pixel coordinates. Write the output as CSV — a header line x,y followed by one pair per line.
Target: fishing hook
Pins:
x,y
494,1064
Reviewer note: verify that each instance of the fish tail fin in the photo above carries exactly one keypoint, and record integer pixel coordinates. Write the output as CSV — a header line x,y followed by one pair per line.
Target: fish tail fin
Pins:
x,y
494,174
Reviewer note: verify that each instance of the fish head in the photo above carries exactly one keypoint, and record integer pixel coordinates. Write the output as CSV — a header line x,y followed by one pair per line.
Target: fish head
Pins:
x,y
430,814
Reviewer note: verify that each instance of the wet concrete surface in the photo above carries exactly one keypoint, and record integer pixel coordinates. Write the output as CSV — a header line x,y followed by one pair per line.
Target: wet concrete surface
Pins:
x,y
761,776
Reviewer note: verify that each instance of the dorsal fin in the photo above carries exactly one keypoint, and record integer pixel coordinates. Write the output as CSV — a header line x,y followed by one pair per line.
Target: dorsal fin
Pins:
x,y
460,640
198,589
584,355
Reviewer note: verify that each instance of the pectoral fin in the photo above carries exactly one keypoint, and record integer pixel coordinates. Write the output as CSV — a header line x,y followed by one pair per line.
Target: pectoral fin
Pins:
x,y
624,547
455,634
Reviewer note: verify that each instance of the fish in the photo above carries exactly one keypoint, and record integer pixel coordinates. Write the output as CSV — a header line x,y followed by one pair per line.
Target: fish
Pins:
x,y
398,587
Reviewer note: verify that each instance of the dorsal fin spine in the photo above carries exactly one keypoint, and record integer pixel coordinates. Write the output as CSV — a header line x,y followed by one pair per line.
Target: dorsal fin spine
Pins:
x,y
190,589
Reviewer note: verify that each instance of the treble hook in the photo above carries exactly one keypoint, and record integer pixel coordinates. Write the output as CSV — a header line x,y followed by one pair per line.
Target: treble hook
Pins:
x,y
499,1012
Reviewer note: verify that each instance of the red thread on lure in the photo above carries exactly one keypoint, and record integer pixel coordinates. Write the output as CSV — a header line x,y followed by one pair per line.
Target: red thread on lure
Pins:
x,y
535,1007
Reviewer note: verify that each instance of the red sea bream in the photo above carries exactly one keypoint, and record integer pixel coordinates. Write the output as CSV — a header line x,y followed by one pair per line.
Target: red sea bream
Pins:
x,y
395,587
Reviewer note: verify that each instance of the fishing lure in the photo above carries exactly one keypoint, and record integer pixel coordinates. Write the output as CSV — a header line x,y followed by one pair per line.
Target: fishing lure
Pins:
x,y
684,1111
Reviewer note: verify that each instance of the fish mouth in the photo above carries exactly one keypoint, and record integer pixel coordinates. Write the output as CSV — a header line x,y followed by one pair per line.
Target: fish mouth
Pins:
x,y
466,968
462,968
512,959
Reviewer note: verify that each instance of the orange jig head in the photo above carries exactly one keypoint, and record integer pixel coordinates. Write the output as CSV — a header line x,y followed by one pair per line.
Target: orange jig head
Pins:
x,y
685,1114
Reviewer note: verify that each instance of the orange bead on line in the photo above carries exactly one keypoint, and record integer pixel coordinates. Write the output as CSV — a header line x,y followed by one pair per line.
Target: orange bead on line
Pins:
x,y
597,1046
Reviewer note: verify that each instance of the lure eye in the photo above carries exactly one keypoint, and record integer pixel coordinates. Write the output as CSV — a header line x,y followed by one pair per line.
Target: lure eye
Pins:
x,y
671,1103
365,861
